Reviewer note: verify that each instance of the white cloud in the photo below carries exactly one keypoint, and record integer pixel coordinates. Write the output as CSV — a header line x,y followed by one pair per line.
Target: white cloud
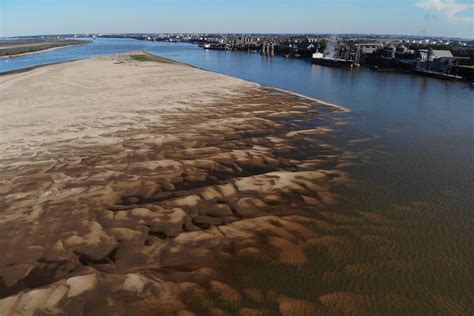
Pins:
x,y
449,9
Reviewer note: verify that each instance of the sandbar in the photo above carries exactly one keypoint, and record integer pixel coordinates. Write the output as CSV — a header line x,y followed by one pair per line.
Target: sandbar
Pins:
x,y
128,180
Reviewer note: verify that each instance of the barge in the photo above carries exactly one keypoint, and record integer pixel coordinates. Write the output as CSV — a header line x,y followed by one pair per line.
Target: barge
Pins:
x,y
212,46
437,75
318,59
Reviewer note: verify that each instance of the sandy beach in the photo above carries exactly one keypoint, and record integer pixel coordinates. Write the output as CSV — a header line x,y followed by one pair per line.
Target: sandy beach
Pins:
x,y
127,181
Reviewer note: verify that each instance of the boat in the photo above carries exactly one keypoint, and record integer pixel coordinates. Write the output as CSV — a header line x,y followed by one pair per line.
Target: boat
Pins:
x,y
319,59
437,75
333,62
212,46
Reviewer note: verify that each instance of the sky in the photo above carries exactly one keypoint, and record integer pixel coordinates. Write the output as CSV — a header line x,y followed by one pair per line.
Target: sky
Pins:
x,y
450,18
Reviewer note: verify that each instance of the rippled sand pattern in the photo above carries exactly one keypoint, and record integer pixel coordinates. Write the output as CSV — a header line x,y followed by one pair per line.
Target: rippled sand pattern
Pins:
x,y
217,197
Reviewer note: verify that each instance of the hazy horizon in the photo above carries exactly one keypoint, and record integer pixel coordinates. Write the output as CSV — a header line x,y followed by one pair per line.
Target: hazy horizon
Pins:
x,y
234,33
443,18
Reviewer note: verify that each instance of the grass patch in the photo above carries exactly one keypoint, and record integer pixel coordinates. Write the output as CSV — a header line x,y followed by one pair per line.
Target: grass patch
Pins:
x,y
149,57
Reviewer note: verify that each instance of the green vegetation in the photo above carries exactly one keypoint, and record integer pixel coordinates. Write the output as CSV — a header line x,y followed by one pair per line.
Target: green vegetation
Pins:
x,y
150,57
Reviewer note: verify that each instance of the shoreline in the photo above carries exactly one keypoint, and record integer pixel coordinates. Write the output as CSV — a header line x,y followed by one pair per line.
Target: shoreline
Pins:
x,y
339,107
28,69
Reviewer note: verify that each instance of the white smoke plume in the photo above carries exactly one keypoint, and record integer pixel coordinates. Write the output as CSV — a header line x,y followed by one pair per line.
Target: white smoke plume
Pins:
x,y
331,46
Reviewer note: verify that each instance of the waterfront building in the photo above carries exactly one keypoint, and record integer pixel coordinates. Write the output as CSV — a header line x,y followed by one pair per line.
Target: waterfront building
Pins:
x,y
389,52
401,49
302,46
440,61
268,49
433,54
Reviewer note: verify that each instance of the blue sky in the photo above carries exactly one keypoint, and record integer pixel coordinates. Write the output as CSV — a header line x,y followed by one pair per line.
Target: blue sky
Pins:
x,y
452,18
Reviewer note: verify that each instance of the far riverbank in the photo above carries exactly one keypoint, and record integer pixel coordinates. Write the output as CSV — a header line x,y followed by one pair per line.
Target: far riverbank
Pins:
x,y
17,48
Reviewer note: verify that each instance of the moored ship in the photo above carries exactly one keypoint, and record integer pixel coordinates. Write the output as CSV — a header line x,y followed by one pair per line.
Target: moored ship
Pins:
x,y
319,59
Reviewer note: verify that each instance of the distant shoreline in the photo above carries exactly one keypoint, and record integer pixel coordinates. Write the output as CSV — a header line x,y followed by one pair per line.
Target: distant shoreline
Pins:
x,y
35,52
40,50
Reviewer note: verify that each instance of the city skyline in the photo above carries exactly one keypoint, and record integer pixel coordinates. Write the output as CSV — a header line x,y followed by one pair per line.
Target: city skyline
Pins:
x,y
447,18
